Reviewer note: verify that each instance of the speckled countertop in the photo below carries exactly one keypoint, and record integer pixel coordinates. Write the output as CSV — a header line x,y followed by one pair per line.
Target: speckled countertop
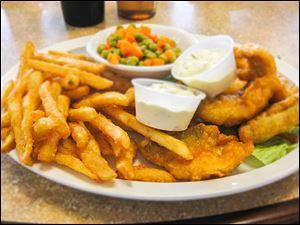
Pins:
x,y
27,197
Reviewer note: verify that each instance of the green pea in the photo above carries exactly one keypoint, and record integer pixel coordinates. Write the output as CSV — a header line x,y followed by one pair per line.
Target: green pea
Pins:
x,y
104,54
149,54
119,27
139,37
158,53
163,57
115,50
172,60
143,48
152,46
141,63
100,48
132,61
167,47
177,51
123,61
132,25
147,42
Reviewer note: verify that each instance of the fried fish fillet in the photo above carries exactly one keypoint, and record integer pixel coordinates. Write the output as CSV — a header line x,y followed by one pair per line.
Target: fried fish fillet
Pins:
x,y
277,119
215,154
231,110
286,88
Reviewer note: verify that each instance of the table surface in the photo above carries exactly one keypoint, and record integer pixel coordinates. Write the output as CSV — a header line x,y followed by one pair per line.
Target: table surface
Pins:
x,y
27,197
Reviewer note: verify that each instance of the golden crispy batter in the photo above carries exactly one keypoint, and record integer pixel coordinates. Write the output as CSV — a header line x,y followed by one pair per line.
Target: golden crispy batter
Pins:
x,y
285,89
215,154
254,61
279,118
231,110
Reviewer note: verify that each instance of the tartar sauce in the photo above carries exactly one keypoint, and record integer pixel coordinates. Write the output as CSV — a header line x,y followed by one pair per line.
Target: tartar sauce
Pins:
x,y
199,62
171,89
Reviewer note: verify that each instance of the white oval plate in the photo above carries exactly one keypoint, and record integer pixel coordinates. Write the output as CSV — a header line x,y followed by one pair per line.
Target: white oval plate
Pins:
x,y
243,179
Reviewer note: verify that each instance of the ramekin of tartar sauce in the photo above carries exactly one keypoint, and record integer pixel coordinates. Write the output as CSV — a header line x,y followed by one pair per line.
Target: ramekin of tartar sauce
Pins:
x,y
165,105
208,65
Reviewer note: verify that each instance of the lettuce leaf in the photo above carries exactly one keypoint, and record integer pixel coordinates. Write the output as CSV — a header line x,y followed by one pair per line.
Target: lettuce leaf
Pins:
x,y
275,148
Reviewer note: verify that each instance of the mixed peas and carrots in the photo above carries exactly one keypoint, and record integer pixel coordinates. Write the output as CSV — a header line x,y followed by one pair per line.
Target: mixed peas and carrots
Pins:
x,y
138,46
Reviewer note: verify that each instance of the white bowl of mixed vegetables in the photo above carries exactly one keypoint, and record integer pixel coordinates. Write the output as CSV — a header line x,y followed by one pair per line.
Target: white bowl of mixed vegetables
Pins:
x,y
138,50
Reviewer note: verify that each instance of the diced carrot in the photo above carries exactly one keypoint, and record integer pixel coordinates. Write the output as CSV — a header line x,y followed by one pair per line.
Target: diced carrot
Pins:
x,y
113,58
153,37
129,33
107,46
120,31
136,51
125,46
169,54
148,62
145,30
157,62
165,40
172,43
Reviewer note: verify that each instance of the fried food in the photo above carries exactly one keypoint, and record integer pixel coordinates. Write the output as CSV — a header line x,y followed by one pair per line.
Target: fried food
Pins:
x,y
78,93
4,96
152,175
277,119
5,120
52,111
70,81
92,67
37,114
254,61
121,84
42,128
110,130
68,147
79,134
285,89
32,102
68,54
97,100
63,104
159,137
86,78
231,110
215,154
75,164
237,86
85,114
8,142
55,89
47,149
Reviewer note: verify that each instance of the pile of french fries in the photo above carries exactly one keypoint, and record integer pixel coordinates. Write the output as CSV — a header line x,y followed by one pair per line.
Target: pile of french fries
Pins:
x,y
60,109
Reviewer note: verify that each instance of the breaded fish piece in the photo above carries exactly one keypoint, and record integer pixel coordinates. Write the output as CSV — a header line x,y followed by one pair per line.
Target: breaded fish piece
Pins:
x,y
277,119
286,88
253,61
215,154
231,110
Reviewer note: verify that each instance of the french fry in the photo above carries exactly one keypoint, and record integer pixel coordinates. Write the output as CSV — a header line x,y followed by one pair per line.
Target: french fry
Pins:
x,y
75,164
70,81
85,114
92,160
8,143
105,147
124,162
63,105
92,67
68,147
86,78
42,128
32,102
55,89
91,157
5,120
68,54
79,134
107,98
15,110
4,96
52,110
152,175
5,132
130,96
78,93
159,137
37,114
27,53
118,135
47,149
